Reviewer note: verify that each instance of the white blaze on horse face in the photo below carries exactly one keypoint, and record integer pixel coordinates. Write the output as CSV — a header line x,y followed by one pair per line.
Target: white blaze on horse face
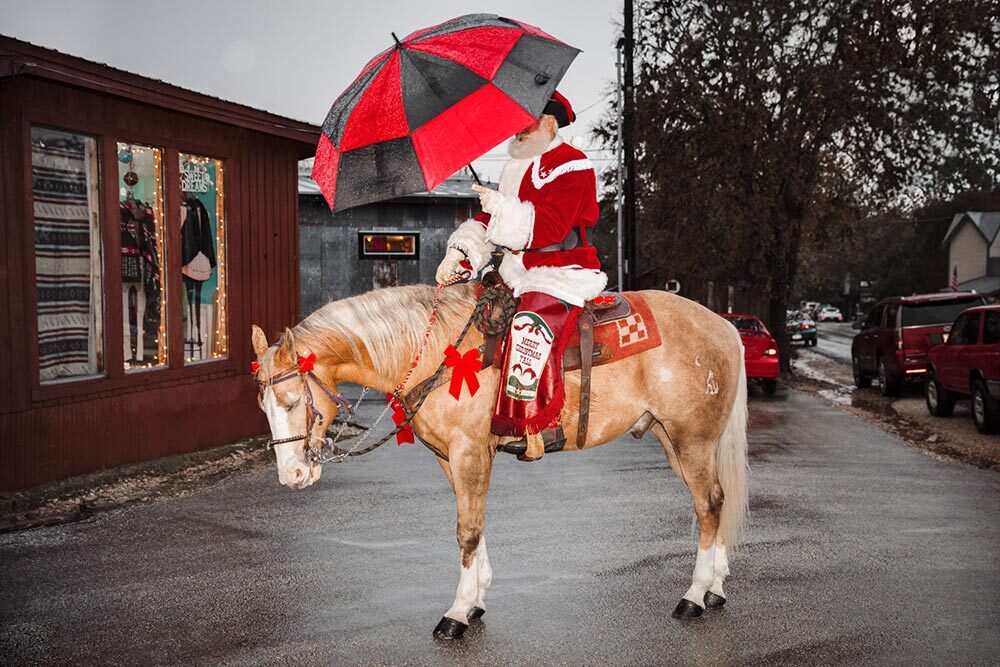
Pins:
x,y
704,574
291,471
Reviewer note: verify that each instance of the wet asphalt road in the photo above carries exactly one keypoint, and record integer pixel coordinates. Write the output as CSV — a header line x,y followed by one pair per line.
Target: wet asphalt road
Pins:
x,y
861,551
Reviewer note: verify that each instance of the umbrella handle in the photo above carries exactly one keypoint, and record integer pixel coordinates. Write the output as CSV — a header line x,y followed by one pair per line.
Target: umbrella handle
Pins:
x,y
475,176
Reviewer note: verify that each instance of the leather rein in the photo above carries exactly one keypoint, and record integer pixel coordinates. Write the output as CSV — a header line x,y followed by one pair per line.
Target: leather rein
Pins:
x,y
327,448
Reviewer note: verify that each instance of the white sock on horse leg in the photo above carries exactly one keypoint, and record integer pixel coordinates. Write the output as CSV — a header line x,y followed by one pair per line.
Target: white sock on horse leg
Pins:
x,y
485,572
721,570
468,590
704,573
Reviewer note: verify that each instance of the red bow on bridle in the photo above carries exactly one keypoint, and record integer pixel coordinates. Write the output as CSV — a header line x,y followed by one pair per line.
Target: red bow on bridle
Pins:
x,y
465,368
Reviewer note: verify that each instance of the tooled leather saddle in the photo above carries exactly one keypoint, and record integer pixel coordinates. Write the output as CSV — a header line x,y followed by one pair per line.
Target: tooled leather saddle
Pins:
x,y
613,326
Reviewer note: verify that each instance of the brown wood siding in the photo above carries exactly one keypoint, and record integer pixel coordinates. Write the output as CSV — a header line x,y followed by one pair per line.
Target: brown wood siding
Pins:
x,y
51,432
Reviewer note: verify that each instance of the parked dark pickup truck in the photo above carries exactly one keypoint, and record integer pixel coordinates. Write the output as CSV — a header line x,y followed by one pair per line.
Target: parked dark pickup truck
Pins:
x,y
895,337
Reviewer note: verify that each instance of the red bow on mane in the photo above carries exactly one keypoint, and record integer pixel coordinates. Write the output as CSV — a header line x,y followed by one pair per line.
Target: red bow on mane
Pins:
x,y
254,367
466,366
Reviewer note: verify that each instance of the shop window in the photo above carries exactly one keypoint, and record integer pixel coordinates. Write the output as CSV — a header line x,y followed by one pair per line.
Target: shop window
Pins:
x,y
144,294
203,258
68,262
381,245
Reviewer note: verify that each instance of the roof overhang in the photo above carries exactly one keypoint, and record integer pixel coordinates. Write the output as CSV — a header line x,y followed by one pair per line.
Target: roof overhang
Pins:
x,y
22,59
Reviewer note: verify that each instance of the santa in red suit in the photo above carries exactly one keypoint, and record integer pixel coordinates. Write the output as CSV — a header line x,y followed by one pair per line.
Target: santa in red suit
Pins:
x,y
546,202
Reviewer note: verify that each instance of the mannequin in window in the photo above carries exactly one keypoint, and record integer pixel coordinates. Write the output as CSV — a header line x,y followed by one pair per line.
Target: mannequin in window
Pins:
x,y
197,264
139,270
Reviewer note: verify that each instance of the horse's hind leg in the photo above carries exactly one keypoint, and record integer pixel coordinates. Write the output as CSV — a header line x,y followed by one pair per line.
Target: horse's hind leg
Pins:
x,y
694,462
469,473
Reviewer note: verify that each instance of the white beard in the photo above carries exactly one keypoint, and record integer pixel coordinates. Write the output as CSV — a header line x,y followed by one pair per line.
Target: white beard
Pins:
x,y
532,146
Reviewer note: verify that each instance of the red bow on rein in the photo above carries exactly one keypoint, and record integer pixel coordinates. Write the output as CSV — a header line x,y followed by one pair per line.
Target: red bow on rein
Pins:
x,y
306,364
399,416
466,366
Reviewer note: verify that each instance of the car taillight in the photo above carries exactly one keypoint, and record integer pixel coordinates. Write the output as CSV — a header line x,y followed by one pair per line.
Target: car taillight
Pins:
x,y
804,326
899,338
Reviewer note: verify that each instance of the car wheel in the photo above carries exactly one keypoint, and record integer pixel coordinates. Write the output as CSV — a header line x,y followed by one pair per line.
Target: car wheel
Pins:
x,y
985,411
770,386
861,381
888,385
940,402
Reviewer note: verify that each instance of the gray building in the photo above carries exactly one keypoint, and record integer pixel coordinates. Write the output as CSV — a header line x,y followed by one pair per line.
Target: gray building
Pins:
x,y
396,242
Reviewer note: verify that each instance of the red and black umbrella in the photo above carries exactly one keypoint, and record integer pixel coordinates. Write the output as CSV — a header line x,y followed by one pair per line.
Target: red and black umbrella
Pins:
x,y
434,102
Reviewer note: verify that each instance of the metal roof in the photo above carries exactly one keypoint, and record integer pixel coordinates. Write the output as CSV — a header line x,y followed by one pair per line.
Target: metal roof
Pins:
x,y
459,186
982,284
987,223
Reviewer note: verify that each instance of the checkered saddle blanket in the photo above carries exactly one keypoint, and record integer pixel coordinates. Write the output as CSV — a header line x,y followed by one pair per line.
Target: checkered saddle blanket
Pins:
x,y
623,326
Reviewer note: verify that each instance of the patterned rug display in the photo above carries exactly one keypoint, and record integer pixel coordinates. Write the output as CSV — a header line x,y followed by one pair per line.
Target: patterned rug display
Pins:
x,y
67,254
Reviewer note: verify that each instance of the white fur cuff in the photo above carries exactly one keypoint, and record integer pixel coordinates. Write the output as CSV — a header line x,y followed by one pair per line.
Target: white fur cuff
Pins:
x,y
574,285
513,224
470,238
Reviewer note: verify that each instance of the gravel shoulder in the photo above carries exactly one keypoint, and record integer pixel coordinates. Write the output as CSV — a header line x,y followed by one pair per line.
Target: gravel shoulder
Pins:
x,y
80,498
953,439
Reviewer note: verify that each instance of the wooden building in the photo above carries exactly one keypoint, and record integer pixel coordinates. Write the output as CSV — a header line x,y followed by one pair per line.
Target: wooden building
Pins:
x,y
396,242
145,227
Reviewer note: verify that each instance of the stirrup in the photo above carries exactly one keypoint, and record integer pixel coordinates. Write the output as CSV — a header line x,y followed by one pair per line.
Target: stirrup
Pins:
x,y
554,440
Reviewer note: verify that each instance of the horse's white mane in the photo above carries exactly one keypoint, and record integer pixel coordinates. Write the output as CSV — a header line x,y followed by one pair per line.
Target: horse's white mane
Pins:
x,y
390,324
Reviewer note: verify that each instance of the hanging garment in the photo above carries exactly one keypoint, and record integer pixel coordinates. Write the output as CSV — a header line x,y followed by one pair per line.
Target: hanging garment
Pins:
x,y
197,239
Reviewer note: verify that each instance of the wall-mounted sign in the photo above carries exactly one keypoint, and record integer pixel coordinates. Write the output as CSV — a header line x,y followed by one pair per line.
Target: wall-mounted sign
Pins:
x,y
195,177
383,245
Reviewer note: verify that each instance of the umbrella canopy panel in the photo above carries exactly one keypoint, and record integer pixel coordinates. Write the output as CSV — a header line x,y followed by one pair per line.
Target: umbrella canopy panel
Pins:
x,y
440,98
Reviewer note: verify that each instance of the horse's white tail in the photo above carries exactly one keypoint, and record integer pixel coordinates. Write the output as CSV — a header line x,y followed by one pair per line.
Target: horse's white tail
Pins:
x,y
731,459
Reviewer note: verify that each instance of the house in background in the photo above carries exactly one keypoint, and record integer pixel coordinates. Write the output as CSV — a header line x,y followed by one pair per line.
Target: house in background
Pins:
x,y
394,242
974,251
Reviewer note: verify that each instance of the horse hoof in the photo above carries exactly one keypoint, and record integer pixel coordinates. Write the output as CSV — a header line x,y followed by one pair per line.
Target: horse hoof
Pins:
x,y
476,613
687,609
449,628
713,601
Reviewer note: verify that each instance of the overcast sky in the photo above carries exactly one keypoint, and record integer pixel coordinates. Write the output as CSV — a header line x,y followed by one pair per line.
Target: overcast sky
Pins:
x,y
294,57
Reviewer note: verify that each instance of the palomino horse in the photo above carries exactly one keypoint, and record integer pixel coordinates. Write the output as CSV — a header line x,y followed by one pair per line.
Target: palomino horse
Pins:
x,y
690,391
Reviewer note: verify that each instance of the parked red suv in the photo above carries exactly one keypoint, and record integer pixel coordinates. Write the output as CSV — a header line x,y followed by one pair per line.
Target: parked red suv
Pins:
x,y
895,337
968,364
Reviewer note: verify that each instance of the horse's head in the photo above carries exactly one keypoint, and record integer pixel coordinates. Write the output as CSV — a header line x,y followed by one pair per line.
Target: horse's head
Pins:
x,y
298,404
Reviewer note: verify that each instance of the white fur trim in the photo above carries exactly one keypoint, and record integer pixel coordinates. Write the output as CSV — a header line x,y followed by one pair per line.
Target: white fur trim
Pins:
x,y
539,180
511,176
514,170
470,238
513,223
573,285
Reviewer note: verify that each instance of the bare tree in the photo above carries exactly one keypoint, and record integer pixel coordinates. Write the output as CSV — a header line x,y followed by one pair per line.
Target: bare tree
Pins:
x,y
760,118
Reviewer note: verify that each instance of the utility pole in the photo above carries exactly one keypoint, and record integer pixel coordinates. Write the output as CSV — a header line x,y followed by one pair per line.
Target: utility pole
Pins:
x,y
628,145
619,190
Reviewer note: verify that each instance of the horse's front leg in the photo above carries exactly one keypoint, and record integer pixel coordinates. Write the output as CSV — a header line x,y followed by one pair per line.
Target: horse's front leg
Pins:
x,y
469,472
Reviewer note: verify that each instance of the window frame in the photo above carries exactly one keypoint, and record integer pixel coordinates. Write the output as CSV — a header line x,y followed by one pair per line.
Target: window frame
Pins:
x,y
363,255
955,328
114,377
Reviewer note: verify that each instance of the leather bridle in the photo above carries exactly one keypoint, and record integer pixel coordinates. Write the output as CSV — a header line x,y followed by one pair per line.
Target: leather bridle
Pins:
x,y
313,415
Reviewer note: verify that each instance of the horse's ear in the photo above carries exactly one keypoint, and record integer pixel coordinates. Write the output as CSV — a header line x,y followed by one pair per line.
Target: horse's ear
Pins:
x,y
259,340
